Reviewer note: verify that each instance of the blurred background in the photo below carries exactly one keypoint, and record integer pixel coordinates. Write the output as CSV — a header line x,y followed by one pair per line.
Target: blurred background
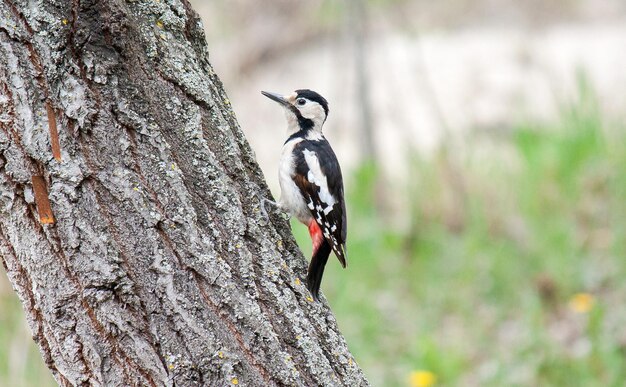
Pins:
x,y
483,145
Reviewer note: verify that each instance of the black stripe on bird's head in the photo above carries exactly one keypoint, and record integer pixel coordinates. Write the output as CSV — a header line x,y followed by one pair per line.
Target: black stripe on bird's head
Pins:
x,y
305,107
313,97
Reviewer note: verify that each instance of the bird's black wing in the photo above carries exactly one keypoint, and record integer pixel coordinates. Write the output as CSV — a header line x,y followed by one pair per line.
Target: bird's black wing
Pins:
x,y
318,176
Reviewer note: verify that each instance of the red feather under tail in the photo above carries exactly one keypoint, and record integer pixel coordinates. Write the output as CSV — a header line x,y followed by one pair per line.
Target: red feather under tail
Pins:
x,y
316,235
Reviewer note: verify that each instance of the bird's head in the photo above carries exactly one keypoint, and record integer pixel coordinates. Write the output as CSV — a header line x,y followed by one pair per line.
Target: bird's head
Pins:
x,y
305,109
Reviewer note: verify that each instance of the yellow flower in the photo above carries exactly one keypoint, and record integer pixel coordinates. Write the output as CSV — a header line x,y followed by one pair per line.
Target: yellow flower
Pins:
x,y
421,378
581,302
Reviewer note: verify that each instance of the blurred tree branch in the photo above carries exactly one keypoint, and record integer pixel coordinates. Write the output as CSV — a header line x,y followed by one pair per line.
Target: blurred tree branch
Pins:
x,y
357,15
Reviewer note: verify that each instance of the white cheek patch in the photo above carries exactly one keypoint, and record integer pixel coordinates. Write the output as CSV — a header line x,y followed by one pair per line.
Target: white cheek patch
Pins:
x,y
316,177
312,111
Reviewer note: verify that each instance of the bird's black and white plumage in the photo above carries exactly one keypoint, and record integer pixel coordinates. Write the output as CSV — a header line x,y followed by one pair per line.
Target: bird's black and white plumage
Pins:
x,y
310,180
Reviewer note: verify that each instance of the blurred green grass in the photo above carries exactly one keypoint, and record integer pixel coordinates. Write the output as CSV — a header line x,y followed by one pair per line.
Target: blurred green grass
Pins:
x,y
479,288
475,281
21,364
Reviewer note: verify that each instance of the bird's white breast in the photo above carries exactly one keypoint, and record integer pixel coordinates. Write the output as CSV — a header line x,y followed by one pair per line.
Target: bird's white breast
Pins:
x,y
291,200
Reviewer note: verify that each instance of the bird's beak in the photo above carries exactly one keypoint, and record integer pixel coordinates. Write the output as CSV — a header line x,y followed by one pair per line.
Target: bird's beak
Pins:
x,y
276,97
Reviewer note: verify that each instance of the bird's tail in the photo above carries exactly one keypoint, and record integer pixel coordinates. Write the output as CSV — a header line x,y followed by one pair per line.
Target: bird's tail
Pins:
x,y
316,269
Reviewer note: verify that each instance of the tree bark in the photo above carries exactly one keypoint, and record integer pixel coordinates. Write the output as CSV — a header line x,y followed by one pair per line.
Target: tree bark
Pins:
x,y
129,222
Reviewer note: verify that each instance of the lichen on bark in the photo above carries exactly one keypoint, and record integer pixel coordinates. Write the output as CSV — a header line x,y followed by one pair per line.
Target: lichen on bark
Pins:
x,y
158,269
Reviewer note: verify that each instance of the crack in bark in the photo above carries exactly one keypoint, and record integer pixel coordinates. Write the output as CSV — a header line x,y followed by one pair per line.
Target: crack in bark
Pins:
x,y
27,286
169,243
298,365
73,28
39,336
198,278
125,263
125,258
291,333
35,166
216,311
57,250
119,355
20,17
41,79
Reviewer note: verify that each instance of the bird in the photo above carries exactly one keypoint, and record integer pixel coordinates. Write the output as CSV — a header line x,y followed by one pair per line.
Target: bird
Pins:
x,y
311,182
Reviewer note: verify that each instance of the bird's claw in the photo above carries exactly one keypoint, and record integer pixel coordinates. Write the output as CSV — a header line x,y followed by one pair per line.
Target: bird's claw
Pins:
x,y
264,215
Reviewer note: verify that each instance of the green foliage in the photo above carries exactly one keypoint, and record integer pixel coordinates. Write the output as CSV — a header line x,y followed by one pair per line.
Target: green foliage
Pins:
x,y
480,287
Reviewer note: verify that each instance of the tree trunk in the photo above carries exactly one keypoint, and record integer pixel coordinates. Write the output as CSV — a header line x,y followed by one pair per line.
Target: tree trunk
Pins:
x,y
129,222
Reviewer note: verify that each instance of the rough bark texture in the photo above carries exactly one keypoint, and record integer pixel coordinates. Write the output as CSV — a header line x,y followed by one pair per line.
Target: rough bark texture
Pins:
x,y
149,263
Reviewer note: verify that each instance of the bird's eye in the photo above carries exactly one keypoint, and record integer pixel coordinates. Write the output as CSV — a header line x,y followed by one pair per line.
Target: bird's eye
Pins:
x,y
301,101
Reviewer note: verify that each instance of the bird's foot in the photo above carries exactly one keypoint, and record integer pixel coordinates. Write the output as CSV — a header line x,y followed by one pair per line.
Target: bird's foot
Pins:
x,y
263,201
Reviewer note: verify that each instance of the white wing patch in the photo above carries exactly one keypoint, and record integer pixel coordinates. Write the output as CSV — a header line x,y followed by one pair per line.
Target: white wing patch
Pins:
x,y
316,177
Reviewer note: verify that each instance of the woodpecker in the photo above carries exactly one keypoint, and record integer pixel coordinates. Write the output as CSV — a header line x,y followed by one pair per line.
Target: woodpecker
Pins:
x,y
310,180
